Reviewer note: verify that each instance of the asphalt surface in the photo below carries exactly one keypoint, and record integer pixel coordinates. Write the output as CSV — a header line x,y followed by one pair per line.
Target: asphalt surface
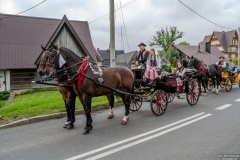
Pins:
x,y
206,131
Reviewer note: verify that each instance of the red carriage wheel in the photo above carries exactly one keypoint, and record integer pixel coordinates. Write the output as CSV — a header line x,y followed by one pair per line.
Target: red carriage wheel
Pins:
x,y
193,92
170,97
136,103
159,102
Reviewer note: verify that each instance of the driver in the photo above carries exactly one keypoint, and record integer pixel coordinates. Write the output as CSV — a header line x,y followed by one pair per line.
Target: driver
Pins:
x,y
142,55
221,63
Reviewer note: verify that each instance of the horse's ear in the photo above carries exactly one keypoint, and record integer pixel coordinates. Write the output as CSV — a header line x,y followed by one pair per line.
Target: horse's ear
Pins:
x,y
43,48
55,46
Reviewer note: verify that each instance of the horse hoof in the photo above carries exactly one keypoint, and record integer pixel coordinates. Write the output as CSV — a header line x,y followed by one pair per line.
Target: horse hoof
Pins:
x,y
124,122
70,126
86,131
205,94
110,116
66,124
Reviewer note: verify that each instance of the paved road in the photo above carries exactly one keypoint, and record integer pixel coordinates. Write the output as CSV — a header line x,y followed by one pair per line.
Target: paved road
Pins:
x,y
207,130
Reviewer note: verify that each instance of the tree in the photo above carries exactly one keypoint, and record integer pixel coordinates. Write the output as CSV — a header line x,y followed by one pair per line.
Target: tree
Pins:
x,y
235,61
184,43
165,38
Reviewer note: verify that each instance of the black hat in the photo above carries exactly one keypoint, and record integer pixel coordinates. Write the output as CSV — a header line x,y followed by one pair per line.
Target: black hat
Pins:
x,y
142,44
222,57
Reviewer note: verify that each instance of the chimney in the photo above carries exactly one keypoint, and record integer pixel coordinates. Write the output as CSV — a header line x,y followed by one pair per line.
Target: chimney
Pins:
x,y
200,47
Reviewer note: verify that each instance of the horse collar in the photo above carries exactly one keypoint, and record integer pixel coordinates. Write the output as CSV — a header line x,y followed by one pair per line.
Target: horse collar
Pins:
x,y
100,72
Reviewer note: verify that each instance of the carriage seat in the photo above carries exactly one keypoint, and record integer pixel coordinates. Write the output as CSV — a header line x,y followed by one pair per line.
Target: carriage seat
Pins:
x,y
171,76
140,66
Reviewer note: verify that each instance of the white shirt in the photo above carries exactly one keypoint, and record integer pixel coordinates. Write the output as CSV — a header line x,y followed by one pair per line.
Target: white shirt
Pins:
x,y
224,64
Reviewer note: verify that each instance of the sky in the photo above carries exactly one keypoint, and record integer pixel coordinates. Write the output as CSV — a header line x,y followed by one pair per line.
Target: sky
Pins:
x,y
142,18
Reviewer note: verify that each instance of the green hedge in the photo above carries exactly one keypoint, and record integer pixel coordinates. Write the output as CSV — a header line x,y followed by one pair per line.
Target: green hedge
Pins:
x,y
4,95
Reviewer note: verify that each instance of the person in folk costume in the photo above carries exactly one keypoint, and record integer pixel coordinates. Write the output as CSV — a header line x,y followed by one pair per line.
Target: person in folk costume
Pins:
x,y
227,68
180,73
221,63
234,70
142,55
153,65
165,65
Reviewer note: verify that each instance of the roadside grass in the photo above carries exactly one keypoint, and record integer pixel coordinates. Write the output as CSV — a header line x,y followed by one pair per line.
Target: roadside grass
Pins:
x,y
40,103
2,102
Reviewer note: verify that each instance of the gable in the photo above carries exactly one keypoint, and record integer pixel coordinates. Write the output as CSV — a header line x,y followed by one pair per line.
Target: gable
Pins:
x,y
66,39
22,36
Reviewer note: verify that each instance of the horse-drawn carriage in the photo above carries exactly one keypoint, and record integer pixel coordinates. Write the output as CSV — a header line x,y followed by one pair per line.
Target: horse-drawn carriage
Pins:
x,y
227,80
163,90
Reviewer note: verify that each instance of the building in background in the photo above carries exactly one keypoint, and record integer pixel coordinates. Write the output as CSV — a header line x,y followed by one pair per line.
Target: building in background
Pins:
x,y
226,42
126,58
105,55
21,38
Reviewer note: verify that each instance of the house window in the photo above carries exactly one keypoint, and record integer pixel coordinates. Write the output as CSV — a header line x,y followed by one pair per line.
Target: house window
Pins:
x,y
214,36
229,55
234,42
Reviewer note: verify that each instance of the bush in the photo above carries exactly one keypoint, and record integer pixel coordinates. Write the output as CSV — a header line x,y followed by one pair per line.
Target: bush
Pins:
x,y
6,92
5,97
1,95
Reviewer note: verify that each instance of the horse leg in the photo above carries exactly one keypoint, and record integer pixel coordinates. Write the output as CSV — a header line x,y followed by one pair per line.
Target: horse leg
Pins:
x,y
68,112
111,102
126,101
204,86
72,100
214,85
218,82
87,109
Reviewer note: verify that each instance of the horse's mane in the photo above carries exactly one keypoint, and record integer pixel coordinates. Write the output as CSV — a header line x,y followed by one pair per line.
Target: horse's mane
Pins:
x,y
72,54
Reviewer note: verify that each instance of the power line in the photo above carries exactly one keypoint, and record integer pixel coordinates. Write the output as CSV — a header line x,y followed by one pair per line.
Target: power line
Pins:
x,y
122,42
124,25
24,11
204,17
108,13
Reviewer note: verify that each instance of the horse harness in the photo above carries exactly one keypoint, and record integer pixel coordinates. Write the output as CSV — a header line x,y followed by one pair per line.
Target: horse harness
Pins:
x,y
71,77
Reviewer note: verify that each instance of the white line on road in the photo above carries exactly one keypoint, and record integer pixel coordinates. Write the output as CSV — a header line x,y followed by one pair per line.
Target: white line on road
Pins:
x,y
132,138
223,106
238,100
146,139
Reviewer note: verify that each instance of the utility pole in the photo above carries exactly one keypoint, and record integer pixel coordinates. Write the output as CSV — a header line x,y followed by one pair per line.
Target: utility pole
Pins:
x,y
238,47
112,33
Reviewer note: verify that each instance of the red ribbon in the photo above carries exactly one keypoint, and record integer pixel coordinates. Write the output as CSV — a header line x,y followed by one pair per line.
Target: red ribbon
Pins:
x,y
81,70
202,67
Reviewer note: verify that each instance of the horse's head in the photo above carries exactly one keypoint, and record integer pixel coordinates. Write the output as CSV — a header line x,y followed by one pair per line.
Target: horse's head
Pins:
x,y
193,63
43,61
52,62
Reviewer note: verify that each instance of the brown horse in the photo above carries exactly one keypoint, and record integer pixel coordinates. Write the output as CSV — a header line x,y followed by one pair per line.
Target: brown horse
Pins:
x,y
85,85
65,89
67,92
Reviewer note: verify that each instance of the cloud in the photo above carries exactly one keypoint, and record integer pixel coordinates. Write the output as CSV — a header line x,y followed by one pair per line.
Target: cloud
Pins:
x,y
142,17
